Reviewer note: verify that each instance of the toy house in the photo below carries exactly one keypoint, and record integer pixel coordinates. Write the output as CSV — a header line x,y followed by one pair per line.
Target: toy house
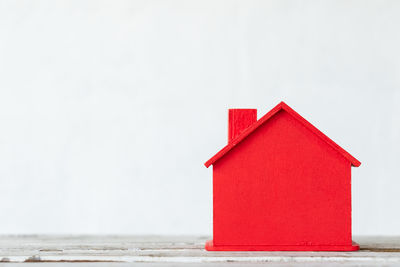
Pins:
x,y
280,184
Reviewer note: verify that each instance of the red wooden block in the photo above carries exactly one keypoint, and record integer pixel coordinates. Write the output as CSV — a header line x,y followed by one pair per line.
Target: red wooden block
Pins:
x,y
240,120
280,184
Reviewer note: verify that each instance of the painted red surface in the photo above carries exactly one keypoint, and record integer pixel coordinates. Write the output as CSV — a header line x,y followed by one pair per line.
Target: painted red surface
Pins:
x,y
240,120
281,184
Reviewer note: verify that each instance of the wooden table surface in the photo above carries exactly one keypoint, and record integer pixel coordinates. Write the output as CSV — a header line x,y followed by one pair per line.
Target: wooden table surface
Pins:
x,y
177,251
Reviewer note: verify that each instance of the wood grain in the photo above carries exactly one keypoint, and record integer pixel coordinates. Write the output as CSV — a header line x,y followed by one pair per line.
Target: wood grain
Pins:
x,y
177,250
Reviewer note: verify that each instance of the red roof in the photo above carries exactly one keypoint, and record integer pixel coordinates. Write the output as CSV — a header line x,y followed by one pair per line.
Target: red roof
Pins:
x,y
266,117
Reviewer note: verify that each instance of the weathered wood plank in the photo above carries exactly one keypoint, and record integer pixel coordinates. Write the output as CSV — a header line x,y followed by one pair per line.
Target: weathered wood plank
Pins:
x,y
116,250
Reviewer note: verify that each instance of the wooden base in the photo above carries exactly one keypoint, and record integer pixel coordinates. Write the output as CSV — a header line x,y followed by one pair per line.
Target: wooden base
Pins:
x,y
353,247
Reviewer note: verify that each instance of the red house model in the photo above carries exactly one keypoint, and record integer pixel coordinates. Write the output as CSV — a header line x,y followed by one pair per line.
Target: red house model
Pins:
x,y
280,184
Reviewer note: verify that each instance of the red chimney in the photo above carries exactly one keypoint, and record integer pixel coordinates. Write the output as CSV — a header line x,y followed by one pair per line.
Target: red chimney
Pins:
x,y
240,120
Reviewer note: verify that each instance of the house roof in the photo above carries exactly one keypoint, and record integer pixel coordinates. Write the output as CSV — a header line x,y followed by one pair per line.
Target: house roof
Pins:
x,y
281,106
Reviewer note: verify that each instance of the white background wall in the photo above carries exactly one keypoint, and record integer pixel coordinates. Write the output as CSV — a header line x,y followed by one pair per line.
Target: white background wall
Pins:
x,y
108,109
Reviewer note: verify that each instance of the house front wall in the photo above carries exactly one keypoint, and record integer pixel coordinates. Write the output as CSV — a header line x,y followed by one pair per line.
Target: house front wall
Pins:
x,y
282,185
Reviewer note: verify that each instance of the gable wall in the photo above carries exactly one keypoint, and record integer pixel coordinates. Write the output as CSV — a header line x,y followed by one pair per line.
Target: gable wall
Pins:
x,y
282,185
